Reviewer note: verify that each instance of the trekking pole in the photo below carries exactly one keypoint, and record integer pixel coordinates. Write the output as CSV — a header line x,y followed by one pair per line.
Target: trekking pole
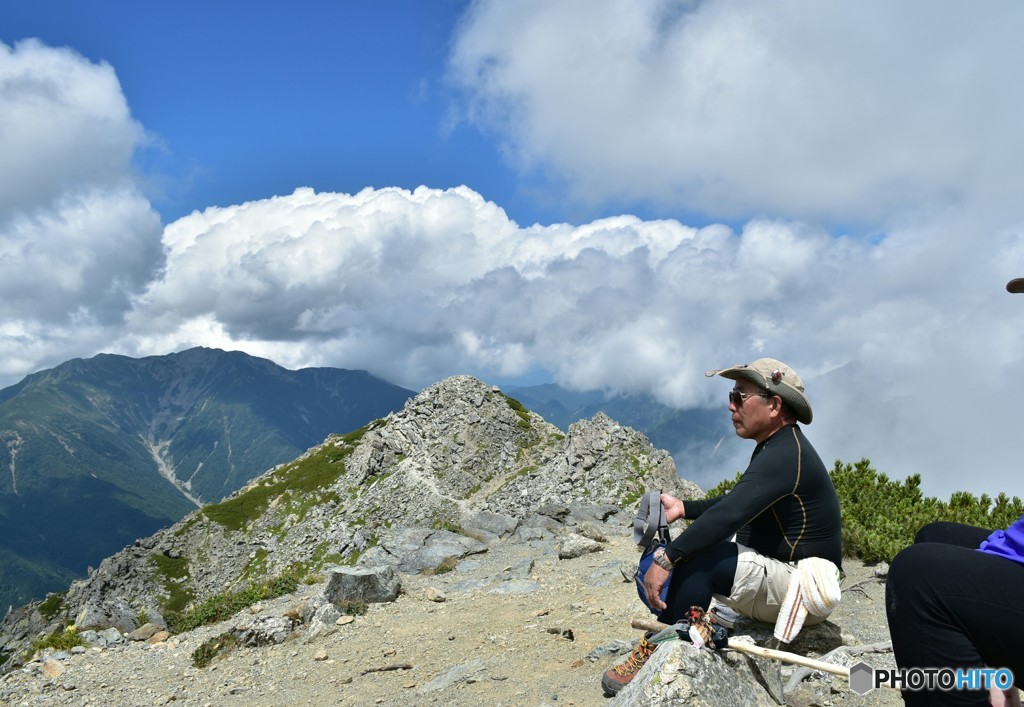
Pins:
x,y
752,649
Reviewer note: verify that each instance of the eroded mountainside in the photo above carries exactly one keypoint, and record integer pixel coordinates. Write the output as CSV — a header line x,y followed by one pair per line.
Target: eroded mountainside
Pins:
x,y
96,453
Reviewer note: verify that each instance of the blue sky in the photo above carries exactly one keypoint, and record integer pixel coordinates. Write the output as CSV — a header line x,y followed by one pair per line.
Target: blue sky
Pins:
x,y
608,194
337,96
244,105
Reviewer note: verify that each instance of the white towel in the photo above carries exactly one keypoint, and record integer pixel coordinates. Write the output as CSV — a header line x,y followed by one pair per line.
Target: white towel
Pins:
x,y
813,588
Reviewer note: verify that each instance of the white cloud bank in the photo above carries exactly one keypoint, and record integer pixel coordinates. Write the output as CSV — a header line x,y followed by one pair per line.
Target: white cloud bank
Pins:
x,y
847,112
789,116
77,238
907,359
415,285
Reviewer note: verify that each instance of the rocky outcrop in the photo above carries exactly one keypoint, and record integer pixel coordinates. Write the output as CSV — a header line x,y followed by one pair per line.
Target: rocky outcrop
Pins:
x,y
460,466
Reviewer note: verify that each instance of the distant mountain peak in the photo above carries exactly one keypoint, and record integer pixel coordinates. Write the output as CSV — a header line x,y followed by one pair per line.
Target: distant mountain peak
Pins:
x,y
144,440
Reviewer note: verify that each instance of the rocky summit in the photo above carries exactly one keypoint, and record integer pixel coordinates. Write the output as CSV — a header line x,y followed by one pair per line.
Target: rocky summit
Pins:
x,y
459,551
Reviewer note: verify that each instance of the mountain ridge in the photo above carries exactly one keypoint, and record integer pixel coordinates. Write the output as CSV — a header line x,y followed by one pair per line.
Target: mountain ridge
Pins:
x,y
100,451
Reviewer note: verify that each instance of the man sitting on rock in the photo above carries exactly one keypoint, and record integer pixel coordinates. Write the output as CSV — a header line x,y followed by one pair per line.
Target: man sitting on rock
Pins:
x,y
783,509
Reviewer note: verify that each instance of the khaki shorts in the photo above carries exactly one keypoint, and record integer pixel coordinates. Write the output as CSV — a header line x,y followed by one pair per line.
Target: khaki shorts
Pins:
x,y
760,585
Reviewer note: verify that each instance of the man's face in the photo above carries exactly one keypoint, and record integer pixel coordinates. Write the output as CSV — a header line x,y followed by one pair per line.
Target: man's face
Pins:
x,y
753,417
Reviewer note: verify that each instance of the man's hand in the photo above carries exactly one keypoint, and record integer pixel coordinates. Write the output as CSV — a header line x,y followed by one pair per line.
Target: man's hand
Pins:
x,y
654,580
674,508
999,698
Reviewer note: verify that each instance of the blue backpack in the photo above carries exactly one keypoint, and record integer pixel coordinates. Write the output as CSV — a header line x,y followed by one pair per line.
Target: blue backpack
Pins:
x,y
650,531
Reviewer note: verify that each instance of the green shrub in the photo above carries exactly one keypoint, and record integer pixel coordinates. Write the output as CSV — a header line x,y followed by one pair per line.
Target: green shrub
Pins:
x,y
214,648
450,525
186,526
173,572
61,640
632,498
356,435
317,471
226,604
354,607
518,409
724,486
52,605
285,583
881,516
351,558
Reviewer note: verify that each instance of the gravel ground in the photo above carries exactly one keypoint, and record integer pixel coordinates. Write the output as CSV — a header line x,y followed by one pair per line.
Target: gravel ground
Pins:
x,y
449,639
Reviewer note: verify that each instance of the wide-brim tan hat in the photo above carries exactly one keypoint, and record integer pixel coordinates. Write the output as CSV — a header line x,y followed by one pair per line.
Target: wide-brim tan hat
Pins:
x,y
777,378
1016,285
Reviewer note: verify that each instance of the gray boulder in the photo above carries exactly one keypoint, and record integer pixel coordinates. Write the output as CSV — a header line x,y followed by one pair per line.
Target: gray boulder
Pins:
x,y
372,585
678,673
414,550
263,631
573,545
114,613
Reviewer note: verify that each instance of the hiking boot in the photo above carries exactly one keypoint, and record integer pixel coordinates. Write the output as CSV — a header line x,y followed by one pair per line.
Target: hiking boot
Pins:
x,y
618,677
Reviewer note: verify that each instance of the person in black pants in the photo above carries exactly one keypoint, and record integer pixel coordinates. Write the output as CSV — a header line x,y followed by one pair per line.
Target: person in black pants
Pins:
x,y
950,604
955,598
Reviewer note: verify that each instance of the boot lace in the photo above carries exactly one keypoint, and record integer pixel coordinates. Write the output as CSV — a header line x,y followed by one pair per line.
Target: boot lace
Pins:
x,y
636,659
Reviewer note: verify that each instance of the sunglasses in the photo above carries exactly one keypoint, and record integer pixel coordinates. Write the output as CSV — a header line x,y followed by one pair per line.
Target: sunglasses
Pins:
x,y
738,397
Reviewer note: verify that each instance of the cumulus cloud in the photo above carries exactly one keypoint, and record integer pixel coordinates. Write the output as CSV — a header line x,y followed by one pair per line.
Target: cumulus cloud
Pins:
x,y
65,125
77,238
903,359
836,111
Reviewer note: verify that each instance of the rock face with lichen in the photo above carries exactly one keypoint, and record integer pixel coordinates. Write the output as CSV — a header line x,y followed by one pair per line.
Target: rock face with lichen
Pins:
x,y
460,466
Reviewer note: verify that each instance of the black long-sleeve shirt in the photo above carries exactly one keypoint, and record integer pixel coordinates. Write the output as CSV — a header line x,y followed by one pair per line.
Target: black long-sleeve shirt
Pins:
x,y
784,506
